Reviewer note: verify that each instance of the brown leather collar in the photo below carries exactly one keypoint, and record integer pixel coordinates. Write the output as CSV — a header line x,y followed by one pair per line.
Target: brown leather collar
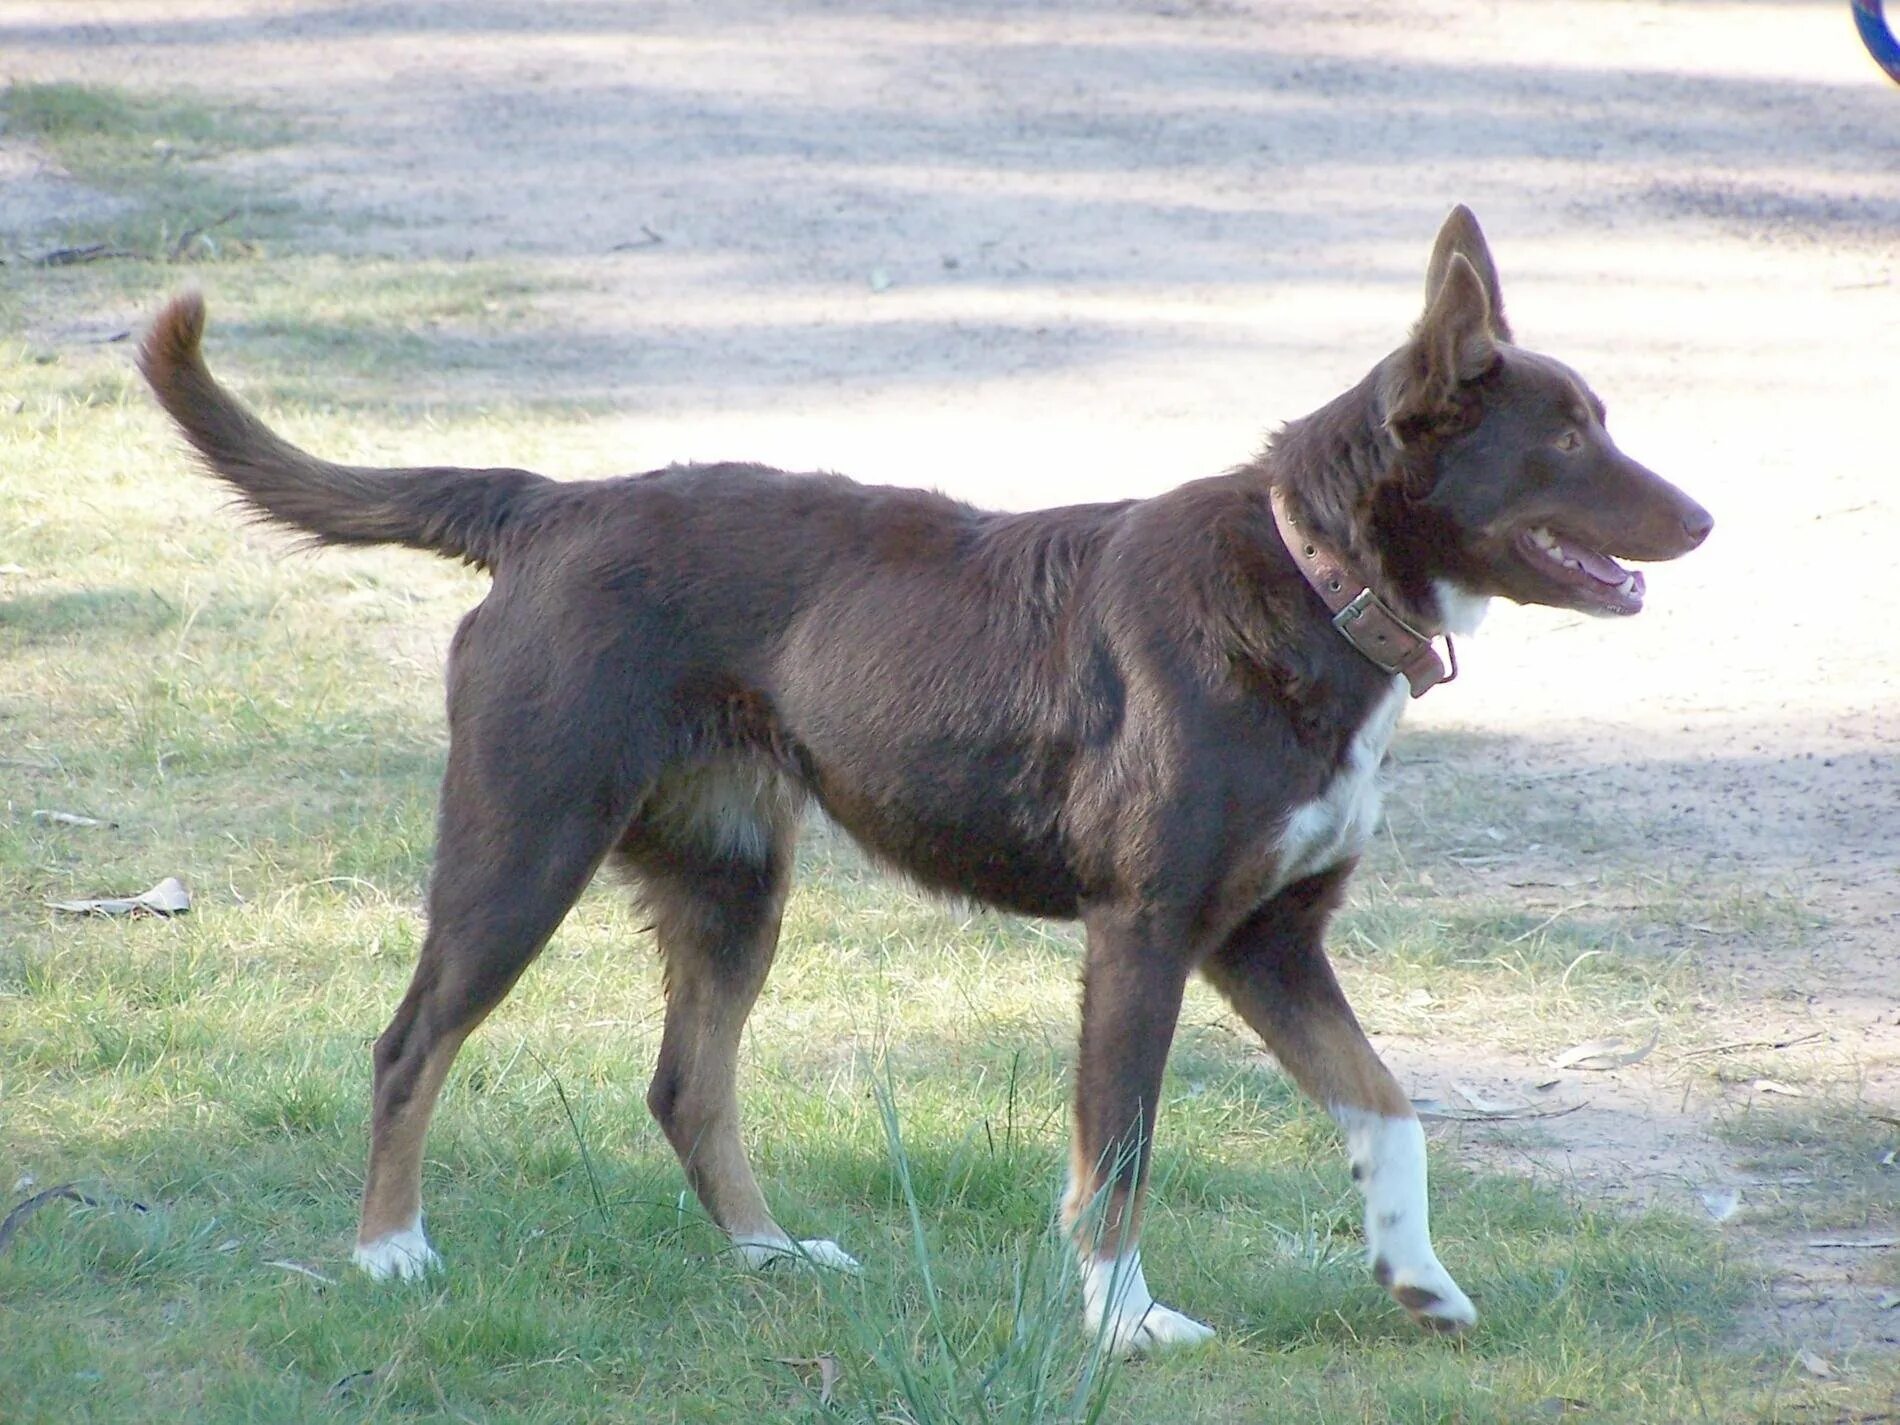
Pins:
x,y
1367,621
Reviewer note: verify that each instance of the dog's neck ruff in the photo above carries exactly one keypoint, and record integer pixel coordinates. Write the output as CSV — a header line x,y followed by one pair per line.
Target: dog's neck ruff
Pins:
x,y
1367,621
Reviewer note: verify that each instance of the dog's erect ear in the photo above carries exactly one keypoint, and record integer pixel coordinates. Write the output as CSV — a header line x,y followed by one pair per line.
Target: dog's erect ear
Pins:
x,y
1452,344
1461,236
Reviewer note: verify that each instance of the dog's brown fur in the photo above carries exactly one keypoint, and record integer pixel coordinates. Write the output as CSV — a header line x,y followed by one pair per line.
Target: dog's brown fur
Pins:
x,y
1107,712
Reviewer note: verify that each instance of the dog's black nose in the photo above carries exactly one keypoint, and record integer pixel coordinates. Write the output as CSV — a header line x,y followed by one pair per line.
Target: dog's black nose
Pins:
x,y
1696,524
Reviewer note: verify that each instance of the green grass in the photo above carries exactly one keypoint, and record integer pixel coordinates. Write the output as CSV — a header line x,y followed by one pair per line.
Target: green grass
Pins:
x,y
95,130
1828,1140
267,727
153,162
216,1068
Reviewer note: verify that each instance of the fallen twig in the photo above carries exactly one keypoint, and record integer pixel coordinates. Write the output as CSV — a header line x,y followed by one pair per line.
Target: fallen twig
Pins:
x,y
1735,1045
651,239
302,1270
191,235
1550,920
33,1204
350,1384
73,256
64,1191
1431,1108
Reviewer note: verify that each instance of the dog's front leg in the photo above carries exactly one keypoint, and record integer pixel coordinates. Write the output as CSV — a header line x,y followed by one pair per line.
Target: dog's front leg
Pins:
x,y
1131,996
1275,972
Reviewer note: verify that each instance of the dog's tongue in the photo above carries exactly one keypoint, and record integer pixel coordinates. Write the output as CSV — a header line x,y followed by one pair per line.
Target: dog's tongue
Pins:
x,y
1600,567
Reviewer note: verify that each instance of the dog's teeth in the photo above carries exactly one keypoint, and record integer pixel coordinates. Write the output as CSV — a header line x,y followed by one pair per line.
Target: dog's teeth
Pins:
x,y
1629,582
1547,542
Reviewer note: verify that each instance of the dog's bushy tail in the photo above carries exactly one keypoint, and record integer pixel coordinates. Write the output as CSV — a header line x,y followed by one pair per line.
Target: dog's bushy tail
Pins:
x,y
455,512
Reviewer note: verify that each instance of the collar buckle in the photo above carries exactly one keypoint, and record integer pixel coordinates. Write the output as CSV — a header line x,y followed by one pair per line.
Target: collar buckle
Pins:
x,y
1371,625
1356,610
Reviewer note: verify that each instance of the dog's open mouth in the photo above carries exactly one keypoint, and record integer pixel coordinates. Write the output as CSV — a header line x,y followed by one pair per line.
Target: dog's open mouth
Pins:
x,y
1597,578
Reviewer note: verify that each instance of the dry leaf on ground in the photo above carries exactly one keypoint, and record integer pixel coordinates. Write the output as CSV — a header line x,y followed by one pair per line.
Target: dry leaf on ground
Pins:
x,y
1775,1086
1601,1054
71,818
1477,1100
168,897
1722,1203
827,1368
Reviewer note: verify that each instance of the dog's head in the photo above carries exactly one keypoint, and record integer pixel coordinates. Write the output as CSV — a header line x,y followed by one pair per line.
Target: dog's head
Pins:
x,y
1505,481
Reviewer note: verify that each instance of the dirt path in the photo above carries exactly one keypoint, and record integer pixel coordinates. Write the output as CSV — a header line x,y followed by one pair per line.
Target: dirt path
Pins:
x,y
1039,255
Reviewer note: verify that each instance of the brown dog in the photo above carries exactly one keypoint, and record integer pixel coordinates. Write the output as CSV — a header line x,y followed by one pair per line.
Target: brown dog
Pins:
x,y
1163,717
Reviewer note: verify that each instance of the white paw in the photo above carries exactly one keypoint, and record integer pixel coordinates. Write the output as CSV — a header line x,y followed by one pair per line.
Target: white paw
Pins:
x,y
1430,1295
760,1253
1388,1156
1160,1328
404,1256
1129,1322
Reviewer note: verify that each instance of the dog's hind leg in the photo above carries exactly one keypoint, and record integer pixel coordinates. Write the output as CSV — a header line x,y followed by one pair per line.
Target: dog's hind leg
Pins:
x,y
712,852
1275,972
1131,997
520,832
503,882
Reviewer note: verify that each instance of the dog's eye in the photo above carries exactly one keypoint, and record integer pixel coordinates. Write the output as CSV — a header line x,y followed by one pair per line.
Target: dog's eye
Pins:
x,y
1569,440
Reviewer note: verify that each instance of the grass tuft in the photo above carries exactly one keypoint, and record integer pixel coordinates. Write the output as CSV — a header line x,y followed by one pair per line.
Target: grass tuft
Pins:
x,y
151,164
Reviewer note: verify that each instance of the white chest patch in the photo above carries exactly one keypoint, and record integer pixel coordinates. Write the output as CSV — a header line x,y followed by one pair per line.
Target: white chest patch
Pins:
x,y
1460,610
1340,820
